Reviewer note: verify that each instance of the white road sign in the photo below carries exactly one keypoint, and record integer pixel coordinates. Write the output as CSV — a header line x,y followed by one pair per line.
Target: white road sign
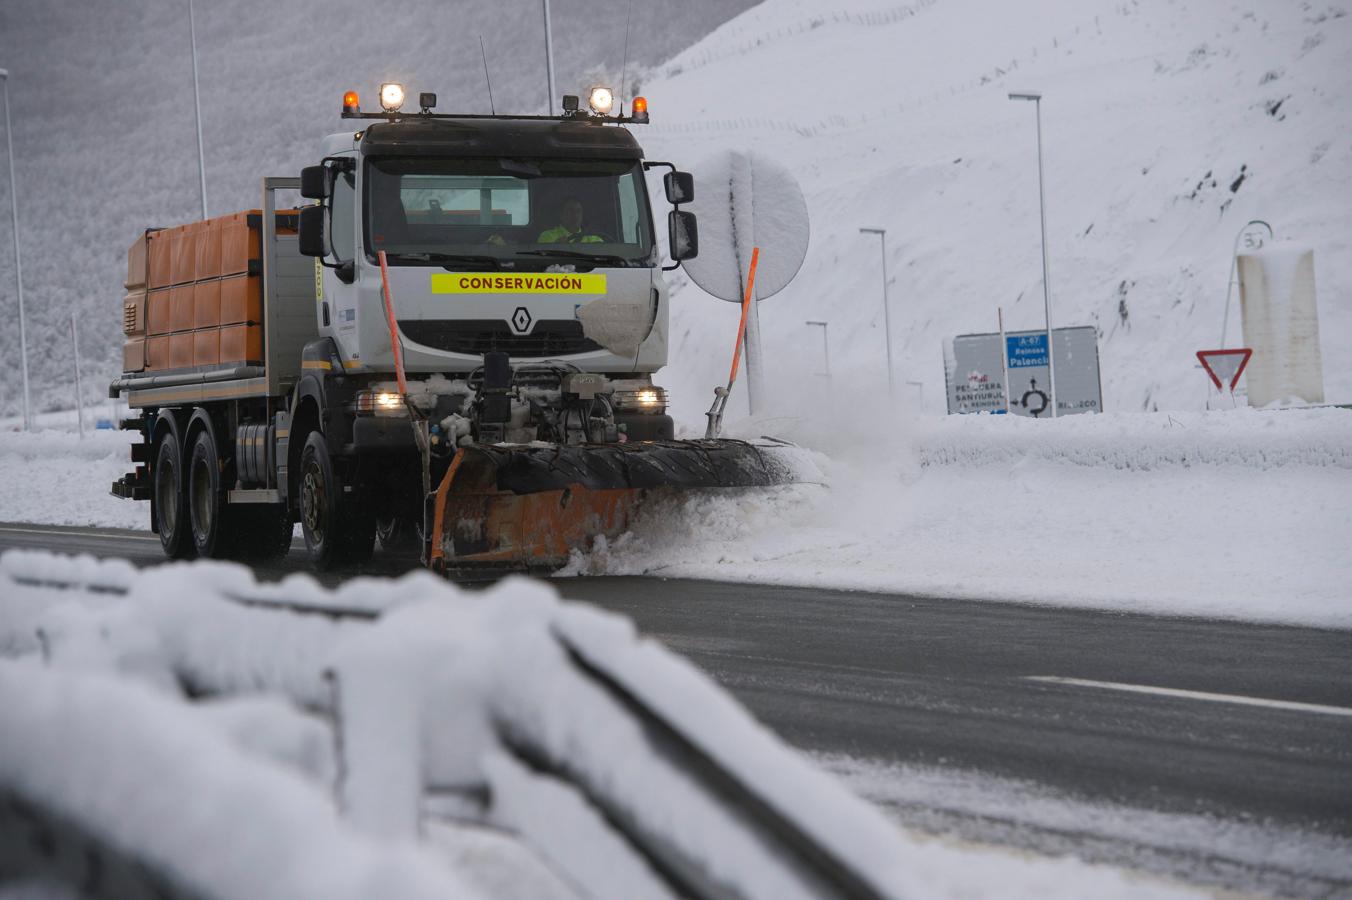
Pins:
x,y
975,379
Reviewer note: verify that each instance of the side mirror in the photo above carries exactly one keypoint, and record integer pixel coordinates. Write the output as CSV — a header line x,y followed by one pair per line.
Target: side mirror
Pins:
x,y
680,187
684,234
313,183
311,230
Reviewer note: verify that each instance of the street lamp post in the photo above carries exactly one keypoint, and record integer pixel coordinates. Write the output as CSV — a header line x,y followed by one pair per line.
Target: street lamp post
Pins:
x,y
549,60
826,346
18,265
887,311
197,109
1046,277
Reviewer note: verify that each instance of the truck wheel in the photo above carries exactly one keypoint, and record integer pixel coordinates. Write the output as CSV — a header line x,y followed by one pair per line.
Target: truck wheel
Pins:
x,y
338,529
171,500
211,534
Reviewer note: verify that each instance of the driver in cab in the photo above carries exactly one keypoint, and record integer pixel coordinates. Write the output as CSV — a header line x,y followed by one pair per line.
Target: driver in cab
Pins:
x,y
569,230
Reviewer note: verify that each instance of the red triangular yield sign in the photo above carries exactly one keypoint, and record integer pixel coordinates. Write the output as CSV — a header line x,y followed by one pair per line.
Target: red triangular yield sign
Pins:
x,y
1224,365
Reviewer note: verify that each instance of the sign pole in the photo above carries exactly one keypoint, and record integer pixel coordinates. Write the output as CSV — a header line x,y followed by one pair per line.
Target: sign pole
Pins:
x,y
79,394
1234,266
549,60
1046,266
18,263
826,346
197,111
1004,354
755,384
715,413
887,311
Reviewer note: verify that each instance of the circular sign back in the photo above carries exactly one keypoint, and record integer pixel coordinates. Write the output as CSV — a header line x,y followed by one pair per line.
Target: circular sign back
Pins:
x,y
745,200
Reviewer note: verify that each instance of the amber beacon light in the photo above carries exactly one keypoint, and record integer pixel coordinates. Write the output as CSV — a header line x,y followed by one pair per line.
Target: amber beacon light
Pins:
x,y
350,102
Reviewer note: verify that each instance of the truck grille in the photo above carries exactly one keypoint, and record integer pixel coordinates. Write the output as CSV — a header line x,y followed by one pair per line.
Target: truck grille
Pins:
x,y
549,337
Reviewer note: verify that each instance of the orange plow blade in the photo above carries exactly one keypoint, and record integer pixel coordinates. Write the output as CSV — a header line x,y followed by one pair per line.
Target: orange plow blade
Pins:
x,y
528,507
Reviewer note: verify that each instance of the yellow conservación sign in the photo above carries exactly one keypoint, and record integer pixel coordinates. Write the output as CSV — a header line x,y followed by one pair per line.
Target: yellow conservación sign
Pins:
x,y
526,283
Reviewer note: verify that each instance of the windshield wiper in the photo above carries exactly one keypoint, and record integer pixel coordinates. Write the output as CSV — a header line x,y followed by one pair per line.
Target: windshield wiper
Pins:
x,y
599,258
458,258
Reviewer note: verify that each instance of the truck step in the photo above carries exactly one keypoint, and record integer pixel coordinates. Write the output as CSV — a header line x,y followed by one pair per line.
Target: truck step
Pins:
x,y
133,485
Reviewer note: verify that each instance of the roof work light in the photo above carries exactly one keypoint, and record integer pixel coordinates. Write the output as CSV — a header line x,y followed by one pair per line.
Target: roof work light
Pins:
x,y
601,100
391,96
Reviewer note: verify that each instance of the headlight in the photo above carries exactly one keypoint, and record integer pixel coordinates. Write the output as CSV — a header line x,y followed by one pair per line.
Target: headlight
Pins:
x,y
644,400
601,100
391,96
380,403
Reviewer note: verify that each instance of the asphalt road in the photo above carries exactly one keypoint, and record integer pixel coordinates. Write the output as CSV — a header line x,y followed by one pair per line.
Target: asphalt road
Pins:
x,y
1209,720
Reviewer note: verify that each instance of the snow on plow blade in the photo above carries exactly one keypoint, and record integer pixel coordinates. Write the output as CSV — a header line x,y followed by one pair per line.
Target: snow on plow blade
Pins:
x,y
529,507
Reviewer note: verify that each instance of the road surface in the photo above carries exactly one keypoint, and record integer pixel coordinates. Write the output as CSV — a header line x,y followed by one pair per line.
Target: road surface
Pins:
x,y
1216,751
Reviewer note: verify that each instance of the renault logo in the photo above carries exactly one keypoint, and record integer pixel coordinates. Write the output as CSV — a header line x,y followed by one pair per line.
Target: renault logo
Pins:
x,y
521,320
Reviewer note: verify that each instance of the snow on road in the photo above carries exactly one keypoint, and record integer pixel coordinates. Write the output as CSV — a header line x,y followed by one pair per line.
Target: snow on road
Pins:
x,y
986,808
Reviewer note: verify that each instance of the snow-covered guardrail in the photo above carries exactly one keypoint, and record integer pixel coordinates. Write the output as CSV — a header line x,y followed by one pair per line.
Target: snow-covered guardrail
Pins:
x,y
615,762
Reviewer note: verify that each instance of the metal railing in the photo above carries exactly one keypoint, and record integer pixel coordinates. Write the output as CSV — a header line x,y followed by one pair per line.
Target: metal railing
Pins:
x,y
716,773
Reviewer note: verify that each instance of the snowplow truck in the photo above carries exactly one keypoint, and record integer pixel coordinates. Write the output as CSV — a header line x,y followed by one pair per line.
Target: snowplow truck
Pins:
x,y
451,348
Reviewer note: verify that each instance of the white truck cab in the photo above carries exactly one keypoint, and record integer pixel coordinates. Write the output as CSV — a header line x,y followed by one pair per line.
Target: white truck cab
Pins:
x,y
534,238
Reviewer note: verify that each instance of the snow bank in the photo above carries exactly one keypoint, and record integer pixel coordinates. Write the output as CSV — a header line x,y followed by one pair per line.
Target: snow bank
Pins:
x,y
524,707
173,626
495,683
111,576
448,688
59,479
145,776
1242,514
1251,439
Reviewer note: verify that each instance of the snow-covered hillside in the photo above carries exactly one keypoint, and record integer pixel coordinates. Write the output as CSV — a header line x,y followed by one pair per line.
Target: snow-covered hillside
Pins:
x,y
1167,125
104,142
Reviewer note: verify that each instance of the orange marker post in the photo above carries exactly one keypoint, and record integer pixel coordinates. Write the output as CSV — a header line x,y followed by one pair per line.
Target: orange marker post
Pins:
x,y
746,308
394,333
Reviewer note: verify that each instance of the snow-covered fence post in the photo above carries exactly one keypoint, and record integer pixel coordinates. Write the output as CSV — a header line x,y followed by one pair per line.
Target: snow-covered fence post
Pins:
x,y
377,718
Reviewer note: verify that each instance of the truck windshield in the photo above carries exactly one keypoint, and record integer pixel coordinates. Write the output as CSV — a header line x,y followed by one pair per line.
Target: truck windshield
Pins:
x,y
496,212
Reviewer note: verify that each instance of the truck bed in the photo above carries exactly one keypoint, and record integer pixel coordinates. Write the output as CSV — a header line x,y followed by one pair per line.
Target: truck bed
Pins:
x,y
217,310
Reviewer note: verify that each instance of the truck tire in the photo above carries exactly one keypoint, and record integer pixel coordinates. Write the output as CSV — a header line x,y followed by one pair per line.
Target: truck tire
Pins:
x,y
211,531
171,500
339,529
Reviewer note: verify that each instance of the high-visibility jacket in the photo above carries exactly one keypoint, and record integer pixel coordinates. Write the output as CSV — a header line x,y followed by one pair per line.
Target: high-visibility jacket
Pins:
x,y
561,235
